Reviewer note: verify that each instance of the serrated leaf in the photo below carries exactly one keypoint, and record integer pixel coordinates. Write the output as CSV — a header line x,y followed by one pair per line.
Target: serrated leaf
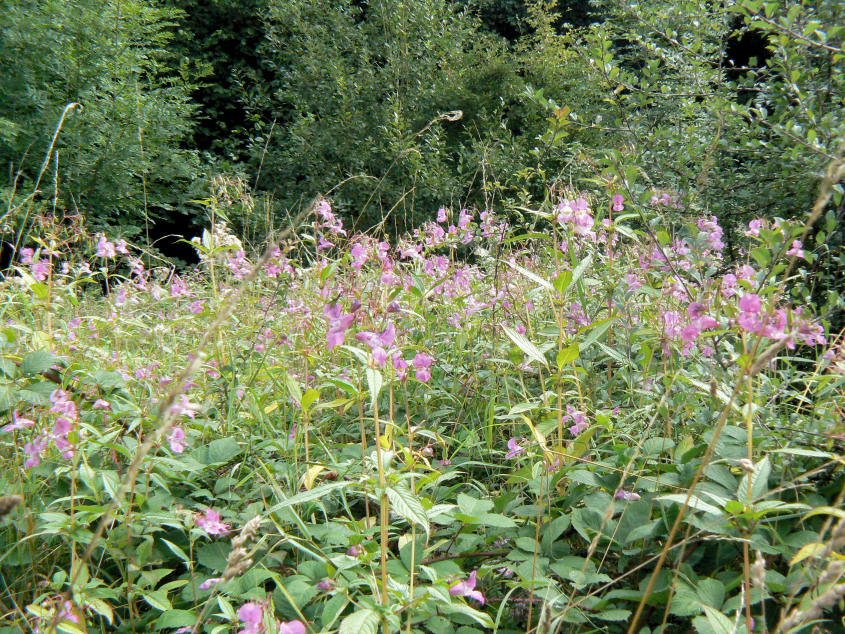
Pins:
x,y
176,550
157,599
37,362
530,275
809,550
529,349
361,622
718,621
567,355
407,505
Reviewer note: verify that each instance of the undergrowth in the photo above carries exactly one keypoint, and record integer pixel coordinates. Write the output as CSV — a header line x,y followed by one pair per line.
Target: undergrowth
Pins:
x,y
601,424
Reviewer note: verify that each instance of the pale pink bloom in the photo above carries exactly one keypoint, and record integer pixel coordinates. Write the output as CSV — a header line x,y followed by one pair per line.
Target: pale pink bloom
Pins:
x,y
196,307
292,627
252,615
41,270
105,249
205,585
26,255
466,588
618,201
628,496
514,449
177,440
441,214
750,303
18,423
211,524
796,250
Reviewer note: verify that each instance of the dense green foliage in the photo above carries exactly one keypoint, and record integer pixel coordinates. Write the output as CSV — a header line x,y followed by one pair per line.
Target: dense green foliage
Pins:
x,y
125,152
588,427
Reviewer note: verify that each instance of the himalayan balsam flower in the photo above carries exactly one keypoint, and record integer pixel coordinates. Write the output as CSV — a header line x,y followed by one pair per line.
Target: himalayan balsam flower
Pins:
x,y
466,588
628,496
18,423
356,550
514,449
796,250
618,201
105,249
421,363
205,585
252,615
177,440
292,627
211,524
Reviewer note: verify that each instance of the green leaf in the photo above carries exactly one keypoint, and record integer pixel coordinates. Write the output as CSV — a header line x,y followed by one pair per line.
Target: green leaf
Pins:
x,y
309,398
759,482
694,502
37,362
720,623
361,622
529,349
307,496
157,599
407,506
218,451
562,281
176,618
567,355
530,275
613,615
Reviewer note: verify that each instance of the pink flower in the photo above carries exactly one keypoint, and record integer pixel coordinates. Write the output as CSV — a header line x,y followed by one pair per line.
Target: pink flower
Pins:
x,y
105,249
441,214
177,440
26,255
466,588
750,303
35,450
514,449
18,423
754,228
618,201
211,524
796,250
41,269
356,550
252,615
101,404
422,362
196,307
205,585
326,585
291,627
628,496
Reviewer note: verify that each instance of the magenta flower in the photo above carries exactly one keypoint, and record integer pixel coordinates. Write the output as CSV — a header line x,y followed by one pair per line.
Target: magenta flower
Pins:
x,y
41,269
796,250
26,255
18,423
196,307
441,214
205,585
750,303
628,496
618,201
578,418
105,249
422,362
292,627
211,524
35,450
466,588
326,585
252,615
514,449
177,440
